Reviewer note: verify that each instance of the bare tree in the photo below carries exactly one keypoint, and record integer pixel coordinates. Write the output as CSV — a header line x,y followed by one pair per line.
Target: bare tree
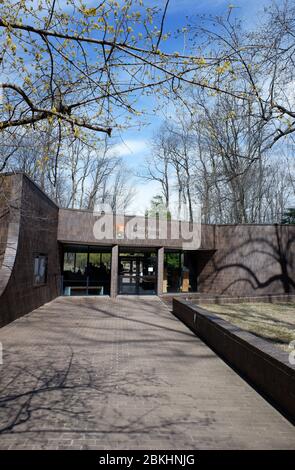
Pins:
x,y
77,56
118,192
158,166
259,64
217,156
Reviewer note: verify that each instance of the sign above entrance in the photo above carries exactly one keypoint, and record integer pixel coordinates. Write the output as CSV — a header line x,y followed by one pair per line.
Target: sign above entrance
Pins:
x,y
110,226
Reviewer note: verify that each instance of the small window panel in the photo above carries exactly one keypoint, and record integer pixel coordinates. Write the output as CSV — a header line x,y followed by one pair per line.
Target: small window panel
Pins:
x,y
40,269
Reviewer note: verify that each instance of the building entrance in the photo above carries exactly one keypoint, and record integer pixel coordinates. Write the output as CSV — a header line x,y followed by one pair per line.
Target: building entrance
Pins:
x,y
138,272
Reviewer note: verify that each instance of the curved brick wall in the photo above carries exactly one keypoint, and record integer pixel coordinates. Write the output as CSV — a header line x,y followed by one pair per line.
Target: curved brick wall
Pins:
x,y
5,193
32,229
4,224
10,200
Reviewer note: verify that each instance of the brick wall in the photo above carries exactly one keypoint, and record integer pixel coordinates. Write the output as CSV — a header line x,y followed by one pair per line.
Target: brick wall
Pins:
x,y
32,230
249,260
5,191
3,234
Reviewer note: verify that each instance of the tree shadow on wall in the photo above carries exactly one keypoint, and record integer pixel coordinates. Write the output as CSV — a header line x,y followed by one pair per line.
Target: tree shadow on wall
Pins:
x,y
275,250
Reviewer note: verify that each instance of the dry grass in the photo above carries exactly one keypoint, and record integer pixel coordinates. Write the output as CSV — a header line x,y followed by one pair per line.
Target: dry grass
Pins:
x,y
273,322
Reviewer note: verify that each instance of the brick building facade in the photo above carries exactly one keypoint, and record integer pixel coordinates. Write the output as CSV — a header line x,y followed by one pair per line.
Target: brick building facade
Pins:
x,y
46,251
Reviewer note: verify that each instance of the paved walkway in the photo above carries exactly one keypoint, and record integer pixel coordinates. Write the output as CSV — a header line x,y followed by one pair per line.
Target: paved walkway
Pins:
x,y
107,374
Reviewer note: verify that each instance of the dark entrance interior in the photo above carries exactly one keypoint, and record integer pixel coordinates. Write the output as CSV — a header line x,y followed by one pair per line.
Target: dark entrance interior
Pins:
x,y
179,271
86,270
137,272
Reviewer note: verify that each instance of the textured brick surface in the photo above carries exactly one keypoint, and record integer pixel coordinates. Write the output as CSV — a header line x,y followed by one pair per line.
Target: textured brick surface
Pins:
x,y
32,229
5,190
124,373
249,260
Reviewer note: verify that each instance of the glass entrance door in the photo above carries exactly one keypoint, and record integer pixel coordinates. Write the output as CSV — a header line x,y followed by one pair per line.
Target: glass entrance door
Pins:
x,y
128,275
137,273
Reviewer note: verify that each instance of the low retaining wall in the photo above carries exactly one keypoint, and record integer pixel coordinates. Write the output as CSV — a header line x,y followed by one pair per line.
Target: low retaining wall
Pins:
x,y
227,299
266,367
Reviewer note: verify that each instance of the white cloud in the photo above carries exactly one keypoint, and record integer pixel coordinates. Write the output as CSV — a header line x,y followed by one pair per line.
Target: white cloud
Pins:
x,y
144,194
130,147
194,5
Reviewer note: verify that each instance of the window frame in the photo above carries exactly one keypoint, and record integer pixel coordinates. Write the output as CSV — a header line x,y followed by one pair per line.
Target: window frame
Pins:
x,y
43,280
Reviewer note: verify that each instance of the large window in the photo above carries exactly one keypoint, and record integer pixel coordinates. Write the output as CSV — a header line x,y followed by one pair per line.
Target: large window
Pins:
x,y
40,269
179,273
86,270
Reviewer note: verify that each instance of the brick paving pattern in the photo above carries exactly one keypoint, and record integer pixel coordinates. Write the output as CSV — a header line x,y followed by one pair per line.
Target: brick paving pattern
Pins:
x,y
97,373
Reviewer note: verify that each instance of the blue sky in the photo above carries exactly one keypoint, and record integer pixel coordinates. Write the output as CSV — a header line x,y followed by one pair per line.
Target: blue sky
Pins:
x,y
133,144
179,13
